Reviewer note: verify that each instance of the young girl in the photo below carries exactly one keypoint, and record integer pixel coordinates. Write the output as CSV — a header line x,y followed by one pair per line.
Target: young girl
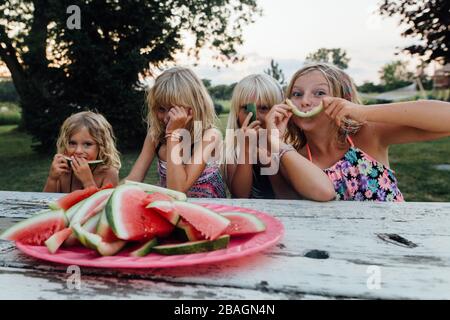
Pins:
x,y
84,137
177,99
349,141
244,177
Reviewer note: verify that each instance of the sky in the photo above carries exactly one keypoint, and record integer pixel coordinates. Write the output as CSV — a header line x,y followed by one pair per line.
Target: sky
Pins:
x,y
290,29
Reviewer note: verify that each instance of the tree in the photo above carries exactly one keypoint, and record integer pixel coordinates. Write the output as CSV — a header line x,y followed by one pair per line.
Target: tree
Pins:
x,y
336,56
275,72
427,19
62,63
395,75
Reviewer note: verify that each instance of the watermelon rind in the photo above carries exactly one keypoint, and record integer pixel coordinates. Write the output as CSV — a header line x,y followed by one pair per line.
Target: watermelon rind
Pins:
x,y
193,247
95,242
13,233
72,210
177,195
144,249
57,239
257,225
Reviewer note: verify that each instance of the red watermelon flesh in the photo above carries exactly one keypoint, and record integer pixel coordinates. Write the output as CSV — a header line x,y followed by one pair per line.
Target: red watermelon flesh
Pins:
x,y
208,222
242,223
76,196
129,218
37,229
168,213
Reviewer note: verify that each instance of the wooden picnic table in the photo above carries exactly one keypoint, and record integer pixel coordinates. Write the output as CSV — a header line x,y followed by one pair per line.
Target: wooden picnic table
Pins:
x,y
329,250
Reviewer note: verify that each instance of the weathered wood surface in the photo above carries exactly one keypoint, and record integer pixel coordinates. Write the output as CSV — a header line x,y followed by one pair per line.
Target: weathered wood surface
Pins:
x,y
346,231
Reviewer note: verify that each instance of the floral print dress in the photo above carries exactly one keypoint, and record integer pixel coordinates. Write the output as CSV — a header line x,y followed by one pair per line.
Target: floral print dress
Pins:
x,y
358,176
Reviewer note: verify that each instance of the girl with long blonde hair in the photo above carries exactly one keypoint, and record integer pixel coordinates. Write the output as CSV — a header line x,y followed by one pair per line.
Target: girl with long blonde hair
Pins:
x,y
249,157
180,112
347,140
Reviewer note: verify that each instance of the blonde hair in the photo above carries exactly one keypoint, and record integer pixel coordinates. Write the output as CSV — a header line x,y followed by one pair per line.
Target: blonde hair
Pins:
x,y
260,89
341,86
100,130
179,86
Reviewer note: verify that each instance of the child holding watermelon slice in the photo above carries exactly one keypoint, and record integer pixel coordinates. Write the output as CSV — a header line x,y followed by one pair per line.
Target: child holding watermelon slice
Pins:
x,y
86,155
177,100
253,97
349,141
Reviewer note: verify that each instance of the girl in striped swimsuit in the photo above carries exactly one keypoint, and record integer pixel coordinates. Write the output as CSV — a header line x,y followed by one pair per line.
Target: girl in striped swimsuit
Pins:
x,y
182,135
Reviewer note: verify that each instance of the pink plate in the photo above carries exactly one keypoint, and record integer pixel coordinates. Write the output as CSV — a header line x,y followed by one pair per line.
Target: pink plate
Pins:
x,y
238,247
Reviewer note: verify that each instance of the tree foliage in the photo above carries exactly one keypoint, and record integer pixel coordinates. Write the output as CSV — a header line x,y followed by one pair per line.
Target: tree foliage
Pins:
x,y
427,19
336,56
395,75
58,71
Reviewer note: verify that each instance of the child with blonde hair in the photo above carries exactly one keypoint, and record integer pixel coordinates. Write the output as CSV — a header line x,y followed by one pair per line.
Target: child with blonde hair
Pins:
x,y
86,155
350,141
181,115
245,177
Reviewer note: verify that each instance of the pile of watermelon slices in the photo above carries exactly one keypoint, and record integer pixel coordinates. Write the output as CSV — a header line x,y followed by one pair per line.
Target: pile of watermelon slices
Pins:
x,y
149,218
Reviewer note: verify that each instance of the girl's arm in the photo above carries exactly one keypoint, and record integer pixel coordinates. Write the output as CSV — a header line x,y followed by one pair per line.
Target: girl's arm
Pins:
x,y
240,175
181,177
58,167
144,160
51,185
396,123
305,177
240,178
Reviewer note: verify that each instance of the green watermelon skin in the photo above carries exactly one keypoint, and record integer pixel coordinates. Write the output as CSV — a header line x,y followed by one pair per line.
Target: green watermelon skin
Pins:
x,y
129,218
193,247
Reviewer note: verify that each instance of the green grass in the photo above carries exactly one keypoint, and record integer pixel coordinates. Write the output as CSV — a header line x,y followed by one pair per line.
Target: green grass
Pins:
x,y
9,113
24,170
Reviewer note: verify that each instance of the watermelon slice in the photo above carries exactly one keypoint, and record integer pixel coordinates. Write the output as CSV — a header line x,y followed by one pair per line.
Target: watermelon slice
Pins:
x,y
170,214
57,239
130,219
177,195
93,205
242,223
37,229
94,241
208,222
193,247
104,230
83,212
186,232
75,197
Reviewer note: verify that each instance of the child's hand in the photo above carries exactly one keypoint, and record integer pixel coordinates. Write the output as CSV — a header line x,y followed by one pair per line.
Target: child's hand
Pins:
x,y
82,171
338,109
277,119
178,118
250,130
59,166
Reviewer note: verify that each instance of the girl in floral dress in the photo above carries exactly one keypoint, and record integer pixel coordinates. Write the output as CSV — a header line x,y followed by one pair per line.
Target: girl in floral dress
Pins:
x,y
349,141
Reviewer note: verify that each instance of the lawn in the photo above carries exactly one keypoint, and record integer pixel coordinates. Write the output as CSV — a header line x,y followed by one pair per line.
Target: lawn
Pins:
x,y
24,170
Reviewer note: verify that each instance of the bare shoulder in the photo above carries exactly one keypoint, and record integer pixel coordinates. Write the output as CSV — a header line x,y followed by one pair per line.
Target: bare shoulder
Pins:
x,y
368,136
369,139
108,171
